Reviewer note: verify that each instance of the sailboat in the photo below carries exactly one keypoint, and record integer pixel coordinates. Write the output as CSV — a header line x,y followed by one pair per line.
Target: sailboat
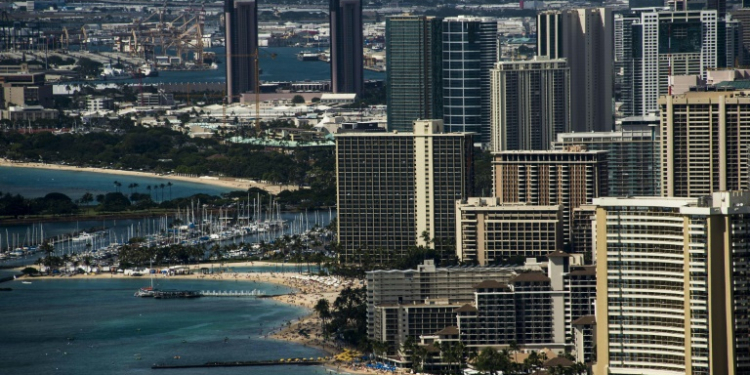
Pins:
x,y
149,290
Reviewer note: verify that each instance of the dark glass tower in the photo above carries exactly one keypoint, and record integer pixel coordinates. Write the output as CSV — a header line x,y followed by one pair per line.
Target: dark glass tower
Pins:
x,y
241,22
469,53
414,70
347,74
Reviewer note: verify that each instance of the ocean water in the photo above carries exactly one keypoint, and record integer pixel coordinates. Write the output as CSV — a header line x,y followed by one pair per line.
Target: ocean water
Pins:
x,y
33,182
65,326
284,67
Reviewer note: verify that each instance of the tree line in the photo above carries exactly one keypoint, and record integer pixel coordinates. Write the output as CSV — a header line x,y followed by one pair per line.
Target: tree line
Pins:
x,y
165,150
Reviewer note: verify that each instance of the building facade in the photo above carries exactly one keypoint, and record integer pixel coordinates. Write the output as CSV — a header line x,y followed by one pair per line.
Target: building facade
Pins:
x,y
633,157
528,304
569,178
672,283
414,76
469,52
705,143
396,188
347,69
24,88
488,232
657,43
391,292
584,37
241,28
530,103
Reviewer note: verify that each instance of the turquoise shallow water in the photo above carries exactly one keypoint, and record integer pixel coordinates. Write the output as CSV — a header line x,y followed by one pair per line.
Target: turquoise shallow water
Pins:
x,y
96,326
32,183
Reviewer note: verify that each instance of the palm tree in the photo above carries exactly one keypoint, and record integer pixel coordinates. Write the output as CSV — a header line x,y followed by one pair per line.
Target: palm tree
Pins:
x,y
490,361
513,346
323,309
162,191
380,348
148,187
116,185
170,190
48,249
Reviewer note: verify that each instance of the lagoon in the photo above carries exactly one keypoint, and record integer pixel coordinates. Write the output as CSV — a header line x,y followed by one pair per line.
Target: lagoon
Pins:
x,y
35,182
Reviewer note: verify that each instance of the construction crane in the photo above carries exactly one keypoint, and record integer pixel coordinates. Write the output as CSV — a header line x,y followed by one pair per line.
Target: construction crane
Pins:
x,y
256,57
84,39
65,42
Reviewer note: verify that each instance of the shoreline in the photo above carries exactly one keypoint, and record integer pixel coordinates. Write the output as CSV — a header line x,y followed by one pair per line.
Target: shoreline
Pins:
x,y
307,290
225,182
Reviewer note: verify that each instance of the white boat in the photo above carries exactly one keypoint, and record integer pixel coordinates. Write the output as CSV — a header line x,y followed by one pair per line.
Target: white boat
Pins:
x,y
83,236
25,282
109,73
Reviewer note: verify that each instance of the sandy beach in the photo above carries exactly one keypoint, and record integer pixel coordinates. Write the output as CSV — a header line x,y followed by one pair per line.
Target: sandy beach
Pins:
x,y
227,182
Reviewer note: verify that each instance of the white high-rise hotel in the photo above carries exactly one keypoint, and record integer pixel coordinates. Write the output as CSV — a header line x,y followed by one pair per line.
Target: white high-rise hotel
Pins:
x,y
653,44
672,285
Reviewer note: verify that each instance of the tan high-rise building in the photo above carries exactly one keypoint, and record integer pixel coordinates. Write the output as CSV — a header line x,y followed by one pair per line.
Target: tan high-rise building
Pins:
x,y
585,37
488,232
394,188
704,142
530,103
569,178
672,285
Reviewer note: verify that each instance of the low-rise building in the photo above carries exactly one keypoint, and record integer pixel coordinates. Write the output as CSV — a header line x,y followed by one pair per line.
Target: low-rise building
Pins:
x,y
99,104
28,113
533,305
488,231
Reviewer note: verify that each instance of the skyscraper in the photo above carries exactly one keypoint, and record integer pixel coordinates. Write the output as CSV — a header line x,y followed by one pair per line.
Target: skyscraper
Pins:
x,y
704,143
672,285
570,178
656,44
393,188
584,37
347,74
469,52
530,103
633,158
414,86
241,28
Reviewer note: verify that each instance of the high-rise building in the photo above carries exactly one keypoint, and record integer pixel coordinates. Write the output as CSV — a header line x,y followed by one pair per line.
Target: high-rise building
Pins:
x,y
569,178
672,285
704,143
347,69
394,188
584,37
469,52
241,28
488,232
742,16
530,103
633,157
414,75
658,43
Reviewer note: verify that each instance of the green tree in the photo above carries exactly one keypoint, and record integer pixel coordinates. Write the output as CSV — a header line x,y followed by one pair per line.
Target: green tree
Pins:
x,y
298,99
490,361
87,198
323,309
